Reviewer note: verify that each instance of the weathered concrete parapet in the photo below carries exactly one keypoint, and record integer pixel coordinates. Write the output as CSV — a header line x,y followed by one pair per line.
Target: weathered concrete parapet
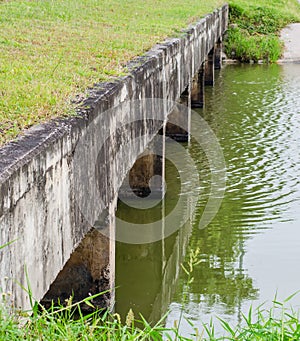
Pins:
x,y
39,186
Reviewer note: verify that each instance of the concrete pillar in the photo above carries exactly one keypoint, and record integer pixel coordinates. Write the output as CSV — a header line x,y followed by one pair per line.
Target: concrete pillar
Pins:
x,y
90,269
178,125
146,175
218,55
210,68
197,93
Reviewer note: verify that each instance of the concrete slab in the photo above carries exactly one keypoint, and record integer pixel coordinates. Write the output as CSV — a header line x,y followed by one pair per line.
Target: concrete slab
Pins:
x,y
291,38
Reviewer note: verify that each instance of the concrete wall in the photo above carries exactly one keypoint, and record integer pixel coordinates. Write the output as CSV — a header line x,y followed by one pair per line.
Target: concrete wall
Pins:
x,y
42,194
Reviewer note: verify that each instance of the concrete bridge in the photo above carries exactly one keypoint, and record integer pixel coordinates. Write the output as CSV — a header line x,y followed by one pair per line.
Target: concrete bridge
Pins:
x,y
60,182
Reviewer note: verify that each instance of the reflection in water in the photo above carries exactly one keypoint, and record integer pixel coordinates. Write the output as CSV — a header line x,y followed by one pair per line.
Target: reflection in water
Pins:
x,y
250,250
146,275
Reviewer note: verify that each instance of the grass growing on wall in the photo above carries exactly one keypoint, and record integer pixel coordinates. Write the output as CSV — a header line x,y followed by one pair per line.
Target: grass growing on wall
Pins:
x,y
52,50
255,26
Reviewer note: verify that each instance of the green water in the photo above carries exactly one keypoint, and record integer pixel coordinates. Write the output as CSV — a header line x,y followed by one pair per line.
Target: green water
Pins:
x,y
251,249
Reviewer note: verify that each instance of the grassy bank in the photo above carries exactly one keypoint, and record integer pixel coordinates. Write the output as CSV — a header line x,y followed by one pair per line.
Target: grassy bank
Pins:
x,y
255,26
67,324
53,50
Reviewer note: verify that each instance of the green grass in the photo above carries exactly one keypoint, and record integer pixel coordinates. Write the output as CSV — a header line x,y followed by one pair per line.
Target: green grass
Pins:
x,y
275,324
52,50
255,27
67,323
